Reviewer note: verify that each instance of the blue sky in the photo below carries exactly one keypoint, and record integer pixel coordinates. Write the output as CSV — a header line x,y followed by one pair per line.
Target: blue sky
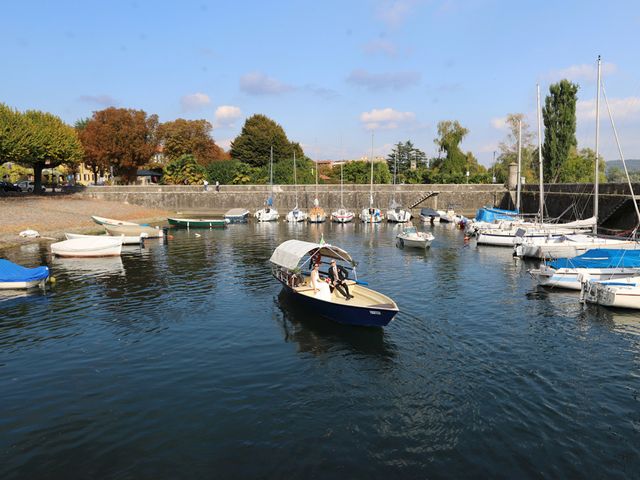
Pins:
x,y
330,72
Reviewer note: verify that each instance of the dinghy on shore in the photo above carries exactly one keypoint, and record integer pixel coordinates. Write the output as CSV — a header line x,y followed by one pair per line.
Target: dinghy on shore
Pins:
x,y
110,221
17,277
365,307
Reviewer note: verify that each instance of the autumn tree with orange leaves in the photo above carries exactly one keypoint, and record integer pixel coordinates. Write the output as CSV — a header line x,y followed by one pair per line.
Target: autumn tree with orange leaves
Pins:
x,y
122,138
190,137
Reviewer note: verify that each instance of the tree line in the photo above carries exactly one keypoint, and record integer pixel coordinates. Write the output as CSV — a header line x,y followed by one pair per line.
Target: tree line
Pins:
x,y
120,141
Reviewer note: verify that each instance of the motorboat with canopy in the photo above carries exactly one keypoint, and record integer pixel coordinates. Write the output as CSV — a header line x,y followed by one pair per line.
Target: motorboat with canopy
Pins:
x,y
366,307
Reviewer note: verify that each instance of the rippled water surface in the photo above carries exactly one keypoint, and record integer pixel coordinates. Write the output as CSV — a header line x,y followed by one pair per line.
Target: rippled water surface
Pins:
x,y
187,361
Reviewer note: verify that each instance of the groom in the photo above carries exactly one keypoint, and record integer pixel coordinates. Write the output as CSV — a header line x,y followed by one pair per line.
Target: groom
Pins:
x,y
337,276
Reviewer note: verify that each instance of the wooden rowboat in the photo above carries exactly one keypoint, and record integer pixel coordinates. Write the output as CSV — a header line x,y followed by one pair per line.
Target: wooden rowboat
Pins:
x,y
198,222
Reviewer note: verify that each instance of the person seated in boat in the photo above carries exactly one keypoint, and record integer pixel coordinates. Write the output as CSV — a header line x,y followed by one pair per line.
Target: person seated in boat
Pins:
x,y
338,275
320,289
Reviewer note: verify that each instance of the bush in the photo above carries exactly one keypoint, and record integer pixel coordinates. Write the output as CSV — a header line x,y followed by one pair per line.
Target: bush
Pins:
x,y
184,171
223,171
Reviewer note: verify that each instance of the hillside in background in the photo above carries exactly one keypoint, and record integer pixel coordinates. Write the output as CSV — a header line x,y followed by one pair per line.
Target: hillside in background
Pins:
x,y
632,164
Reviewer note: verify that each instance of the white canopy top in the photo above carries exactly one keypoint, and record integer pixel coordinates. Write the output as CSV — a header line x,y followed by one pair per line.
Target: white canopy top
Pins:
x,y
289,253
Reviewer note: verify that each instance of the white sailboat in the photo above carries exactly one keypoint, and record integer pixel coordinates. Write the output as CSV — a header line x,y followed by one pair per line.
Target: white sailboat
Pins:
x,y
268,213
316,214
296,215
567,246
396,213
342,215
510,235
570,273
371,214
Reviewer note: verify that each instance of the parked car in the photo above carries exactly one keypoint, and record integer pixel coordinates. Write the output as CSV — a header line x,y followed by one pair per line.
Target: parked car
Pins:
x,y
9,187
28,186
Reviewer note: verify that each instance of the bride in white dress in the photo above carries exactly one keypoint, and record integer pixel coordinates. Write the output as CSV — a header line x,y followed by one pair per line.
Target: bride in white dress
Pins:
x,y
321,289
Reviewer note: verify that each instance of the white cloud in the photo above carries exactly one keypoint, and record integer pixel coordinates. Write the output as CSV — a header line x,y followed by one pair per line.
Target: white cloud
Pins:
x,y
194,101
585,72
621,109
500,123
381,81
257,83
104,100
226,115
225,143
381,46
395,12
385,118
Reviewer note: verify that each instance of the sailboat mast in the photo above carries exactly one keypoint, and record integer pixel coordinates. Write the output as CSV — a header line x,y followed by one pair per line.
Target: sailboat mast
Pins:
x,y
271,167
371,188
596,181
541,208
519,182
295,177
341,185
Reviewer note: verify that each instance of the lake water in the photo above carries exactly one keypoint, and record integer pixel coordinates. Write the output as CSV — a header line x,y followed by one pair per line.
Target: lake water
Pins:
x,y
187,360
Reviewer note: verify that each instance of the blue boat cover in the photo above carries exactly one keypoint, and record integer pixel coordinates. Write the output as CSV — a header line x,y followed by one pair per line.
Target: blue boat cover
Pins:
x,y
601,258
490,215
10,272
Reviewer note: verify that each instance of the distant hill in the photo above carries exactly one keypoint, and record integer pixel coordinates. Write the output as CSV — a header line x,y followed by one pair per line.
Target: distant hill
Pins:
x,y
632,165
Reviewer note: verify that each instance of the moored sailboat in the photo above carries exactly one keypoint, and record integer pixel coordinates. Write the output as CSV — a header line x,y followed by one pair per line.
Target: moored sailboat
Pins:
x,y
371,214
296,215
268,213
342,215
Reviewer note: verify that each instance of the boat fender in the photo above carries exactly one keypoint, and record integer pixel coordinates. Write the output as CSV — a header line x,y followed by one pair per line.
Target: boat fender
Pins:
x,y
401,241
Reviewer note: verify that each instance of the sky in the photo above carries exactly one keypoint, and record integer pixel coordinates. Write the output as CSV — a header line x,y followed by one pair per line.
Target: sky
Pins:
x,y
337,75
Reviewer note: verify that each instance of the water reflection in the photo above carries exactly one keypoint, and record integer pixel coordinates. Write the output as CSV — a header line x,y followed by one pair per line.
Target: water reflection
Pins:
x,y
96,267
317,335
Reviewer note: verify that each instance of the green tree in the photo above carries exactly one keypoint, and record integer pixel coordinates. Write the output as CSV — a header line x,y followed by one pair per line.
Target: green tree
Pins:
x,y
53,143
559,115
254,143
360,172
579,167
455,163
184,171
15,134
401,156
509,151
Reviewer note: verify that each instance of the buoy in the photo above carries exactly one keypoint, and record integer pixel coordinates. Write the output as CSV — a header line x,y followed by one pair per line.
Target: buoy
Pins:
x,y
198,235
170,237
52,279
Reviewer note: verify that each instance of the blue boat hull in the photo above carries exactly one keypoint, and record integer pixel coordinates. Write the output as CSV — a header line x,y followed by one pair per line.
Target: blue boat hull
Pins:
x,y
344,314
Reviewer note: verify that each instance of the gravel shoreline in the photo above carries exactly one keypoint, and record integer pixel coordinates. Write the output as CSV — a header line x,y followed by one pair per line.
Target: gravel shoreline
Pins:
x,y
52,216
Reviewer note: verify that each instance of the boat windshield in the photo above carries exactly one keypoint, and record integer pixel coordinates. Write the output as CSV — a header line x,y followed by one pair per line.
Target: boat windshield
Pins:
x,y
410,230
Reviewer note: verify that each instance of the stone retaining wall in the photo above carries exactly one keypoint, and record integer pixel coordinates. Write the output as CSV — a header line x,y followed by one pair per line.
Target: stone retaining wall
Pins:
x,y
464,198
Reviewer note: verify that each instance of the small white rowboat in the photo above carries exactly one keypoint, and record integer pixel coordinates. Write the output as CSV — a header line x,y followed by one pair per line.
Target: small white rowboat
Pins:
x,y
88,247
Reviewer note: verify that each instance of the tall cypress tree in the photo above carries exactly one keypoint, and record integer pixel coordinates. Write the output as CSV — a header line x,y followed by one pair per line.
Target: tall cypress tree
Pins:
x,y
559,115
